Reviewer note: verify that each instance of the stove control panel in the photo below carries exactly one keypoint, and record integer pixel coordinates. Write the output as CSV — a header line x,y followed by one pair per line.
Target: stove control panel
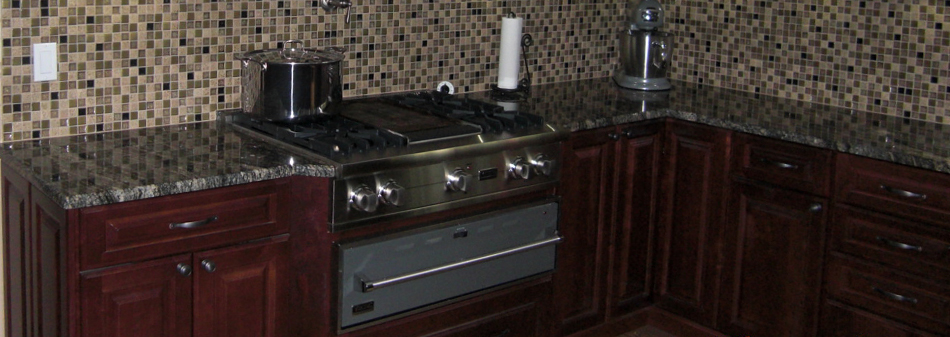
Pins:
x,y
412,190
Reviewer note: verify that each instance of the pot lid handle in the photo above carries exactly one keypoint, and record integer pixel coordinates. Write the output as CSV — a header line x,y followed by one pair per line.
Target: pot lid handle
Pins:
x,y
291,42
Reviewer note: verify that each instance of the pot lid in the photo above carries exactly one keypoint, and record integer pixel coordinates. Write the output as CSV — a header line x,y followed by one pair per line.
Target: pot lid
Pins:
x,y
289,55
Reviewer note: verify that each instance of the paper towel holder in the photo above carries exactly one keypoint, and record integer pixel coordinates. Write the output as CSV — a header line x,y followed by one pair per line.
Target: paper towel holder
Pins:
x,y
523,90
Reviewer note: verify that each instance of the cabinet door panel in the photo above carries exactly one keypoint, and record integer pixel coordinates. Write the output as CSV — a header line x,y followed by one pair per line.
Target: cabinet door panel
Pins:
x,y
580,279
16,199
691,216
149,299
772,247
635,221
245,293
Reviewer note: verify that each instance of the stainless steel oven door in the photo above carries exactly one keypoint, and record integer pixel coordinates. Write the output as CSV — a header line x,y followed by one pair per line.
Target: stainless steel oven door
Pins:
x,y
386,276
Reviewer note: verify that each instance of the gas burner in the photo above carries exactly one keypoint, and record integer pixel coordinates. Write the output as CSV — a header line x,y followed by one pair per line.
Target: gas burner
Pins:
x,y
491,118
332,136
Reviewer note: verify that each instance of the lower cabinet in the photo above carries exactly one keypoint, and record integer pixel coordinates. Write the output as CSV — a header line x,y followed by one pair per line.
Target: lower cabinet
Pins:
x,y
772,249
608,189
234,291
208,263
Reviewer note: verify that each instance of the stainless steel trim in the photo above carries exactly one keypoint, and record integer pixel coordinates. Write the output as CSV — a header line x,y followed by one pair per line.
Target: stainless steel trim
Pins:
x,y
339,226
369,286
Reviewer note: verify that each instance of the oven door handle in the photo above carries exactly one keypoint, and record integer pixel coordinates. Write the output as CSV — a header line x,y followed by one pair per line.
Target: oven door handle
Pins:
x,y
369,286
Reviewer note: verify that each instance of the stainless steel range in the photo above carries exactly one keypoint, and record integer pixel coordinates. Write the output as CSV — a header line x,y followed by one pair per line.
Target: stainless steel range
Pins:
x,y
410,154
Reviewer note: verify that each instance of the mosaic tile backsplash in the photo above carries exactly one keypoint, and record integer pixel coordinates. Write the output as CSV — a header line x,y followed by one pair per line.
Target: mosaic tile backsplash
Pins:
x,y
127,64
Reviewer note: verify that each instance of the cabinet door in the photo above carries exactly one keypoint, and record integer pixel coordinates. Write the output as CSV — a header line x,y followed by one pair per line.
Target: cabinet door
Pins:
x,y
691,206
635,230
35,258
580,278
243,291
772,248
149,299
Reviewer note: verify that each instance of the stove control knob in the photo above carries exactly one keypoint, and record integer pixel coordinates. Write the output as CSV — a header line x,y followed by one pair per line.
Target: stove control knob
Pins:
x,y
543,165
392,194
520,168
364,199
458,181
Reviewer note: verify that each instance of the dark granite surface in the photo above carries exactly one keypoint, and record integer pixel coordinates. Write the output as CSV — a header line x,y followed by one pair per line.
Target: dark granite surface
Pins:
x,y
99,169
112,167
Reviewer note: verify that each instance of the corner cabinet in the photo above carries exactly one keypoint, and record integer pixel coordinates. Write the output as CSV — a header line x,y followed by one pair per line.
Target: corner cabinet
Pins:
x,y
209,263
608,188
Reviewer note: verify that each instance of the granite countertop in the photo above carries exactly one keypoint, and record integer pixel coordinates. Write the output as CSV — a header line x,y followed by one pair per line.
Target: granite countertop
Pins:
x,y
99,169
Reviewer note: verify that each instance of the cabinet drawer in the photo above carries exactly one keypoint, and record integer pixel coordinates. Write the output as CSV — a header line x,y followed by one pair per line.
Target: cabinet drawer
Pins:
x,y
892,188
914,300
841,320
149,228
908,245
789,165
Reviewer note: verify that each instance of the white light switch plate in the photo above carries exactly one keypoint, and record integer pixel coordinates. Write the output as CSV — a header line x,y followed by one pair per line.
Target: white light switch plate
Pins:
x,y
45,65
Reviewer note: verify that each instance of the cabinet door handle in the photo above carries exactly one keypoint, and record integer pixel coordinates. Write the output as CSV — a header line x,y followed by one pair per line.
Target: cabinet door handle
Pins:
x,y
903,193
778,164
893,296
192,224
899,245
613,136
209,266
815,208
184,269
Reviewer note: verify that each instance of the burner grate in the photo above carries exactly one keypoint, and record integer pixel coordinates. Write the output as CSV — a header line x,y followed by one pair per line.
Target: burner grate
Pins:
x,y
491,118
331,136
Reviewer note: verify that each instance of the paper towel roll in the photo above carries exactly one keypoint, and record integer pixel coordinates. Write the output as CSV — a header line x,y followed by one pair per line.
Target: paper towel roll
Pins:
x,y
509,57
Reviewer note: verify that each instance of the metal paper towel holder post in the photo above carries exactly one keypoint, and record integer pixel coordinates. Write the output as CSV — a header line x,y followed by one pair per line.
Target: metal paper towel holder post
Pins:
x,y
523,90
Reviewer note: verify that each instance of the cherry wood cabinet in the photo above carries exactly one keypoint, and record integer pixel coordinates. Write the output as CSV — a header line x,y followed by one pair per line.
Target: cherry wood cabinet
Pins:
x,y
772,250
608,188
773,239
889,251
235,291
691,210
126,270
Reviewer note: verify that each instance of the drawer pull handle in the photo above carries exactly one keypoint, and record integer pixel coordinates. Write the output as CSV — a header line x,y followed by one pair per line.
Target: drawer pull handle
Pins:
x,y
899,245
893,296
903,193
192,224
781,165
369,286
